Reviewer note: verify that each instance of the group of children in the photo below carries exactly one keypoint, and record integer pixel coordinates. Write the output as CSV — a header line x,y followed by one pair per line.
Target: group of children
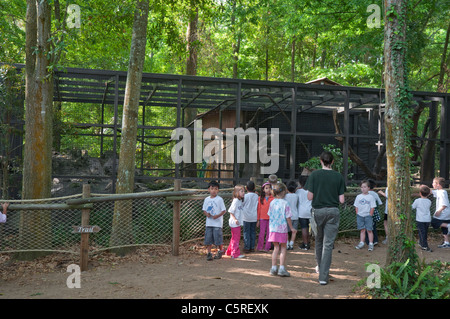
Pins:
x,y
278,211
441,216
366,207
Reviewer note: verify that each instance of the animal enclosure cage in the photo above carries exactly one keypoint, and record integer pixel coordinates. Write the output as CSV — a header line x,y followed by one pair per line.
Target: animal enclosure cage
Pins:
x,y
88,115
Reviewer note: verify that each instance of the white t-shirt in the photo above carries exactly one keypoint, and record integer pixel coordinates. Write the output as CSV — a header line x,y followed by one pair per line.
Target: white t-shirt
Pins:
x,y
304,205
422,207
214,206
2,218
237,208
364,203
386,205
377,198
442,200
292,199
250,207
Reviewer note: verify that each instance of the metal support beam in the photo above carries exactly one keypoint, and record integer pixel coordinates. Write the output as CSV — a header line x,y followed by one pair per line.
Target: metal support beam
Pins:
x,y
346,134
116,116
444,154
238,124
292,163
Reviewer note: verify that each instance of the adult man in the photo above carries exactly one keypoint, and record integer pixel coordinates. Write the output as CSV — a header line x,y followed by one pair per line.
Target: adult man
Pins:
x,y
326,189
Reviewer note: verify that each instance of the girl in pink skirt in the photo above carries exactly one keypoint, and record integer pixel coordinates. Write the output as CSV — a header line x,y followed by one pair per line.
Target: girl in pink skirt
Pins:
x,y
279,220
235,221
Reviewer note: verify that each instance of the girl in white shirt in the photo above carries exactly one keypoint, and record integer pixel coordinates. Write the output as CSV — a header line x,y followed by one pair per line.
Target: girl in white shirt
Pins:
x,y
235,221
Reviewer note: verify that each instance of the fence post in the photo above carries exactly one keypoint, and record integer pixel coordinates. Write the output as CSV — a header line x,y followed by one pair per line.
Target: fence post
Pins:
x,y
176,220
84,248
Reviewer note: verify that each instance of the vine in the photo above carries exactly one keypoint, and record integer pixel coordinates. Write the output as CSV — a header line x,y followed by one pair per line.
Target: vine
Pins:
x,y
403,100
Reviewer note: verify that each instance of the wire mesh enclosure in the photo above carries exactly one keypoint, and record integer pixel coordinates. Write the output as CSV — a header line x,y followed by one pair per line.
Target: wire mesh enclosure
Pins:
x,y
88,122
152,223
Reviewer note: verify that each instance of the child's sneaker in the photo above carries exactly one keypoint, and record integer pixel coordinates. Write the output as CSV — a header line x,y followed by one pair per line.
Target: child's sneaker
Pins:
x,y
209,256
427,249
218,255
444,245
360,245
283,273
273,271
370,247
304,246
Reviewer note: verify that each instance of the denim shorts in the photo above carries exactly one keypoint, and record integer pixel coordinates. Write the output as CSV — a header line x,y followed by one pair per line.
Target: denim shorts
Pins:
x,y
213,236
436,223
304,222
364,222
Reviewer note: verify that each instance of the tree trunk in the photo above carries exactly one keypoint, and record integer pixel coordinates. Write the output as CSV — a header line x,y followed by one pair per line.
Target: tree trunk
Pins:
x,y
11,109
267,53
122,228
191,69
441,87
236,43
397,125
293,59
35,227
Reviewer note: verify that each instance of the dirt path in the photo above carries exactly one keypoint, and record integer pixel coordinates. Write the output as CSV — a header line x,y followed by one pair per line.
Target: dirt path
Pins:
x,y
153,273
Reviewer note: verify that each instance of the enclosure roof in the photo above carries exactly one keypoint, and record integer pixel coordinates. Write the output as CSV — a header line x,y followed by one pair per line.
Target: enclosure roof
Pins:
x,y
323,81
207,93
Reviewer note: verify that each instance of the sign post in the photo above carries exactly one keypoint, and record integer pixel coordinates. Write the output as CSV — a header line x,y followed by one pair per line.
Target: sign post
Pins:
x,y
84,248
85,229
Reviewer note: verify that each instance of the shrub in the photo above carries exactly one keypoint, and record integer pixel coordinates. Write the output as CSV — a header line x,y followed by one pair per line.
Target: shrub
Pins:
x,y
413,281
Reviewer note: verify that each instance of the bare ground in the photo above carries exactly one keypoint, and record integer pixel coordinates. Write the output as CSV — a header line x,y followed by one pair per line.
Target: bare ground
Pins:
x,y
153,273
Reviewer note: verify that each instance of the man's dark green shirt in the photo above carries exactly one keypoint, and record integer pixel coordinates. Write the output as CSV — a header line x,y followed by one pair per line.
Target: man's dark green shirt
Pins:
x,y
326,185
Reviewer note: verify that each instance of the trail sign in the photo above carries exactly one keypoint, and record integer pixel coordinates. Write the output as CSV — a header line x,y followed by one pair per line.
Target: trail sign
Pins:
x,y
85,229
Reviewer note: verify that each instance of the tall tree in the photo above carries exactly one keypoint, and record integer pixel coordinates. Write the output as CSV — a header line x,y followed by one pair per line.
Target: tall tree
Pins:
x,y
122,228
397,126
34,228
192,45
444,63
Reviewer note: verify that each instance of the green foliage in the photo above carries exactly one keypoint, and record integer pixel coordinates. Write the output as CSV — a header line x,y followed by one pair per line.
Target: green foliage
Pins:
x,y
330,38
338,165
414,281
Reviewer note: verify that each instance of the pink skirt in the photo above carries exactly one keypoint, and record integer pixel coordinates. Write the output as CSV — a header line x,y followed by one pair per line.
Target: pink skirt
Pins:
x,y
278,237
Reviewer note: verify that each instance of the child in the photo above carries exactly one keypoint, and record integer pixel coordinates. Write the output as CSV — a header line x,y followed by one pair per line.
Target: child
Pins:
x,y
385,194
422,206
441,218
235,221
263,219
250,217
376,215
292,199
364,207
213,209
3,215
304,212
280,217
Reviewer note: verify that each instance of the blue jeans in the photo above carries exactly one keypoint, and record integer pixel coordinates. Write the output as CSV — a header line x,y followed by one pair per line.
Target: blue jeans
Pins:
x,y
422,228
249,235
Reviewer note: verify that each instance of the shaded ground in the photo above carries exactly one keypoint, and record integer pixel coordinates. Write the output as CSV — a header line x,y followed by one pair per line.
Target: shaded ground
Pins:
x,y
154,273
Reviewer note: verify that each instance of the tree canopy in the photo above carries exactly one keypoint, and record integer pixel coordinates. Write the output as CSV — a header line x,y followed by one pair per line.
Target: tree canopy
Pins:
x,y
280,40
